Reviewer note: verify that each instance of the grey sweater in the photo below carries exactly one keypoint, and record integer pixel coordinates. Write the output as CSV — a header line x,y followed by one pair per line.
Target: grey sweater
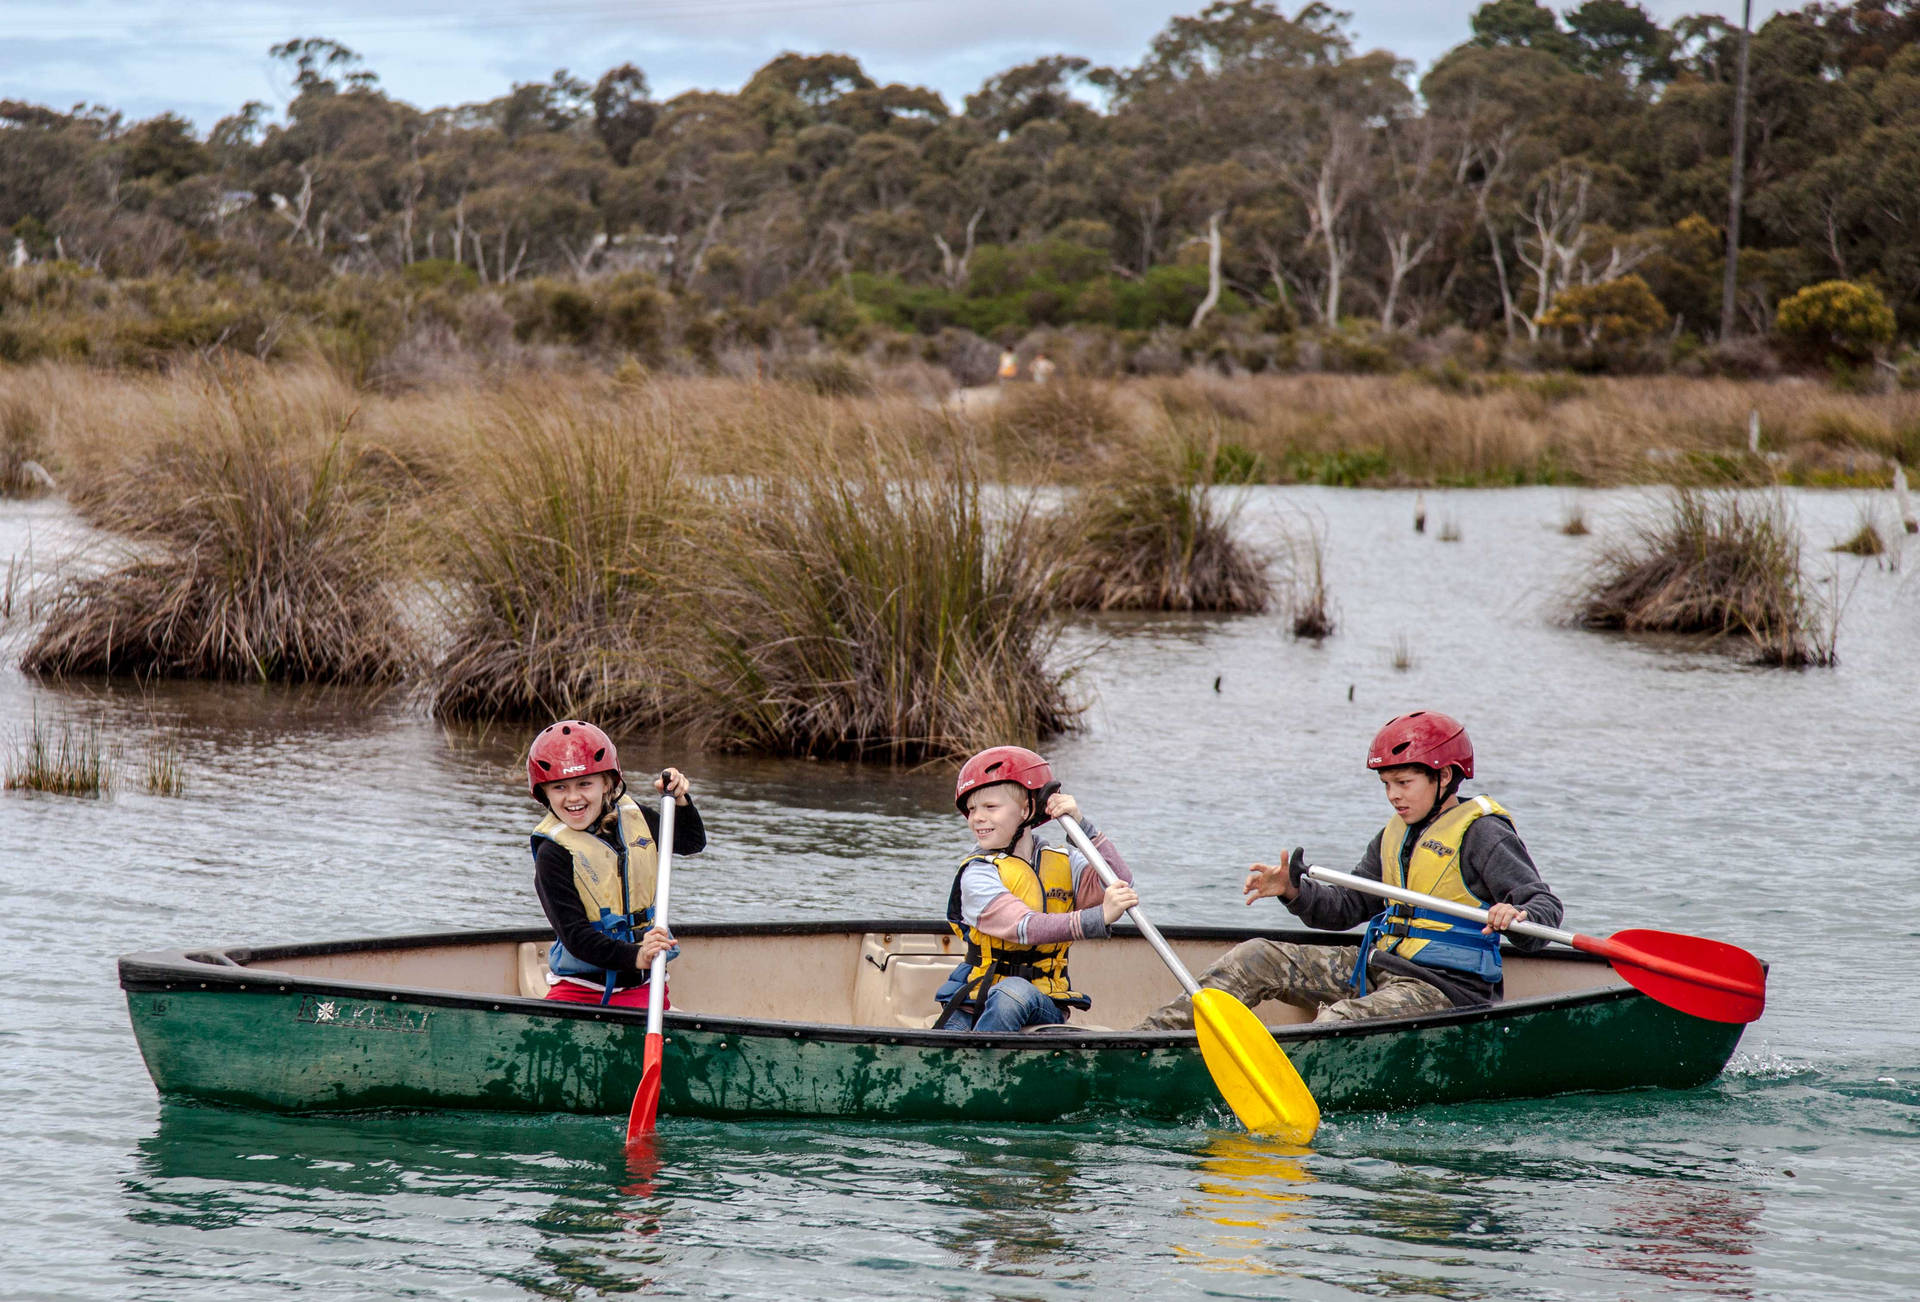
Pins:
x,y
1496,867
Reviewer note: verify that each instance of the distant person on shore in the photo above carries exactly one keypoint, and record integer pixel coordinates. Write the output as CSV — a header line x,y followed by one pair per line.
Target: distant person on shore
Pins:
x,y
1020,903
1042,369
594,860
1009,365
1410,960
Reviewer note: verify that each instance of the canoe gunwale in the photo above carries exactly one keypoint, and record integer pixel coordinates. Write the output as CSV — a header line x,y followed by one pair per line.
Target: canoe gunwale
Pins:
x,y
230,969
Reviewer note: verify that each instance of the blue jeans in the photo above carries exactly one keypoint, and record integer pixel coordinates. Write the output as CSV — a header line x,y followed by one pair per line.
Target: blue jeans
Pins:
x,y
1011,1004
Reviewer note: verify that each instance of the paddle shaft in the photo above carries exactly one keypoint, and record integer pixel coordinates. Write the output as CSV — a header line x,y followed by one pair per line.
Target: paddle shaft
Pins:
x,y
1147,929
1589,944
663,875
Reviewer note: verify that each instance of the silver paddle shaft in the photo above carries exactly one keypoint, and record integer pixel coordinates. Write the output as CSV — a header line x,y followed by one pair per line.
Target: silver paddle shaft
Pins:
x,y
663,878
1147,929
1368,886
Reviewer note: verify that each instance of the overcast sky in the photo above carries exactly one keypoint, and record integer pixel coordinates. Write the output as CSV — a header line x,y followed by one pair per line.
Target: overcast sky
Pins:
x,y
203,60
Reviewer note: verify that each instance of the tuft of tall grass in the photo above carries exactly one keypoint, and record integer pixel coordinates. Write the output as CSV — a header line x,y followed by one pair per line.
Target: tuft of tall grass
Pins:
x,y
1155,535
1064,424
64,761
22,447
1449,530
165,774
870,607
1573,520
260,550
1713,563
1866,541
1400,655
1308,605
558,560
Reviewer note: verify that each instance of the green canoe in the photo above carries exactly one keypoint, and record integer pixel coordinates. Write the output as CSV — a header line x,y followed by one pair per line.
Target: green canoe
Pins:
x,y
829,1019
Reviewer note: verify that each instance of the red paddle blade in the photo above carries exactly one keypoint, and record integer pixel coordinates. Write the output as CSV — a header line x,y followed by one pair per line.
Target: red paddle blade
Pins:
x,y
1705,978
646,1099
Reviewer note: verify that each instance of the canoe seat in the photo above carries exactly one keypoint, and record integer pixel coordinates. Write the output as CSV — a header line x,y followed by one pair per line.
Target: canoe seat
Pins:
x,y
531,969
897,977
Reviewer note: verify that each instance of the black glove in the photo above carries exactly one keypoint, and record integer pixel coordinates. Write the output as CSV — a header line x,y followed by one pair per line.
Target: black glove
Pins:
x,y
1297,866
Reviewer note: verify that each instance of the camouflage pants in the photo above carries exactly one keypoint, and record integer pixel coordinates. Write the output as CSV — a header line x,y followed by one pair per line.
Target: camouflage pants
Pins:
x,y
1313,976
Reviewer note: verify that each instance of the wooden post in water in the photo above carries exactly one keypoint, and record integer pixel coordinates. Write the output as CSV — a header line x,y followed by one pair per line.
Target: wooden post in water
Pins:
x,y
1901,501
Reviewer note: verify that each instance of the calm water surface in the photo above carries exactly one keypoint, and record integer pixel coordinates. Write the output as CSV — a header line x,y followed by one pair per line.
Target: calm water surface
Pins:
x,y
1657,785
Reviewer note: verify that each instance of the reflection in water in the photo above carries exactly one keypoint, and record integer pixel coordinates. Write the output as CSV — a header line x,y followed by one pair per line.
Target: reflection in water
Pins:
x,y
1247,1184
509,1205
1687,1232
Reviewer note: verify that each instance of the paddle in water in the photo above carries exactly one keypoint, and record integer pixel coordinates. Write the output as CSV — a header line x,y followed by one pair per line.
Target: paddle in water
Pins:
x,y
1248,1066
1709,979
646,1099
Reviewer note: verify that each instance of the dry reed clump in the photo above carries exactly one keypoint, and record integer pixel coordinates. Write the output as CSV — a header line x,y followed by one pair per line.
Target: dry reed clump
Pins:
x,y
67,761
557,562
1712,564
260,550
1866,541
1154,535
22,448
869,608
1308,605
1062,423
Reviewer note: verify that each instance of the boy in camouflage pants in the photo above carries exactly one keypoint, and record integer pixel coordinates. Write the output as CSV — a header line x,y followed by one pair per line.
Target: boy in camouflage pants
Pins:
x,y
1416,961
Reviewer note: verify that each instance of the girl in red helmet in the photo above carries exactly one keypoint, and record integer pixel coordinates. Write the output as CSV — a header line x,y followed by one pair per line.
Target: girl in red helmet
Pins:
x,y
1410,961
594,860
1020,903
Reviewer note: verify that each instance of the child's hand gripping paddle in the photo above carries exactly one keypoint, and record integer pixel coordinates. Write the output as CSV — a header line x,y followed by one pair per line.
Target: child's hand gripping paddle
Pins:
x,y
1248,1066
646,1099
1709,979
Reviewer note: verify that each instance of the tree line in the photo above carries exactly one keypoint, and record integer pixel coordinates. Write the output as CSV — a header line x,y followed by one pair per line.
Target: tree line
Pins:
x,y
1555,171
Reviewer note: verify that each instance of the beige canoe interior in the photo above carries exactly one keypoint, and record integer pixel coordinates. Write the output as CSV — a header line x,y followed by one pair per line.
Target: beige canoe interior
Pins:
x,y
850,978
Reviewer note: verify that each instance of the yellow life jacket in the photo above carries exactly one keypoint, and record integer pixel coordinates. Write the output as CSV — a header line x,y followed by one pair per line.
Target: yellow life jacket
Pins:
x,y
1047,888
1433,868
615,886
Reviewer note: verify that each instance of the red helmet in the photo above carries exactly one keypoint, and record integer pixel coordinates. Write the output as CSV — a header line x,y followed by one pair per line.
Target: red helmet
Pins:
x,y
572,748
1014,764
1423,737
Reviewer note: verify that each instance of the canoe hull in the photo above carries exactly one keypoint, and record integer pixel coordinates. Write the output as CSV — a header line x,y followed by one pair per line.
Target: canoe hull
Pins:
x,y
243,1038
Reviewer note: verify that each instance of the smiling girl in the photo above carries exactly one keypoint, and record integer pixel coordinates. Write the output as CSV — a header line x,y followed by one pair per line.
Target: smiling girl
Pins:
x,y
594,858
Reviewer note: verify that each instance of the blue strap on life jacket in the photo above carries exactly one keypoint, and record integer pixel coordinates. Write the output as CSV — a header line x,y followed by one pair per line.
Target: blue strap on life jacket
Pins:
x,y
1459,948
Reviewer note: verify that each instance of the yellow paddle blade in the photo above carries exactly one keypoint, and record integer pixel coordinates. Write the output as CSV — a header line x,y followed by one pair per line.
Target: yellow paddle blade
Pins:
x,y
1251,1071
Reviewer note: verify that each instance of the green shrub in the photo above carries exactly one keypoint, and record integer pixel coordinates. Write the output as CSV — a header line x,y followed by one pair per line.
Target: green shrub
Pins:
x,y
1836,318
1612,312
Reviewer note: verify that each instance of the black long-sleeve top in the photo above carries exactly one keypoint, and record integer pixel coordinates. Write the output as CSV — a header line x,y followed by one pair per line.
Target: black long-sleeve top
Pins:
x,y
553,882
1495,866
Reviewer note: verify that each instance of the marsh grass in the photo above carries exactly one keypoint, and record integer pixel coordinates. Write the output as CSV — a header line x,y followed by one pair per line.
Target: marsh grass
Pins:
x,y
63,761
1715,564
166,776
1309,608
557,561
869,607
1400,655
1064,427
1449,530
258,552
1866,541
22,448
1573,520
1157,535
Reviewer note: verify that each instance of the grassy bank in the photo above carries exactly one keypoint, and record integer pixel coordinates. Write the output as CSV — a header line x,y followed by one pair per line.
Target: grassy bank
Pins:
x,y
1325,429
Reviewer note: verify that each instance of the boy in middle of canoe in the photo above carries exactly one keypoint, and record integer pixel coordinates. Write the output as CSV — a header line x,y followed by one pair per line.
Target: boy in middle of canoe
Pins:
x,y
1020,903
